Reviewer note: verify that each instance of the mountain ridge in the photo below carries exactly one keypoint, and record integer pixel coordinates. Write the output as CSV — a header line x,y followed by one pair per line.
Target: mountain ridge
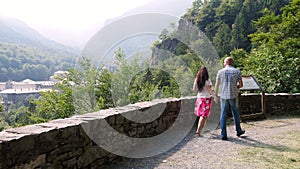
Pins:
x,y
15,31
26,54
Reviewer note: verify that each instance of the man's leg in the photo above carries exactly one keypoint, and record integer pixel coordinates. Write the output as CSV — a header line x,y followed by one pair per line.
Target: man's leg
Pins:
x,y
236,115
223,117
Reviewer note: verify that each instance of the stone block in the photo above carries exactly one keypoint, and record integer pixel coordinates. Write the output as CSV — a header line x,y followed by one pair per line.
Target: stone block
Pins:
x,y
46,142
90,155
141,129
39,162
65,152
111,119
119,119
71,163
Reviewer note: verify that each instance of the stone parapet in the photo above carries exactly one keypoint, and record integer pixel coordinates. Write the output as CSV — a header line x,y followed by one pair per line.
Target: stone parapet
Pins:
x,y
67,143
275,103
74,142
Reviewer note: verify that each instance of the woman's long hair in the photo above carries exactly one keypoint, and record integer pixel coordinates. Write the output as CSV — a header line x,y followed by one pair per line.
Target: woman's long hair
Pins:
x,y
201,77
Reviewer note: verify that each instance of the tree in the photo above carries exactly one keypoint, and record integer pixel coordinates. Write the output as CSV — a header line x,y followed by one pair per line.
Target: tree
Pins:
x,y
275,58
228,10
103,90
76,93
3,123
132,82
222,40
54,104
35,63
206,20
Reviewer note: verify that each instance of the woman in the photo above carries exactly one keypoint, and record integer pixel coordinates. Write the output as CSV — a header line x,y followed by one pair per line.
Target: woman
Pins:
x,y
202,85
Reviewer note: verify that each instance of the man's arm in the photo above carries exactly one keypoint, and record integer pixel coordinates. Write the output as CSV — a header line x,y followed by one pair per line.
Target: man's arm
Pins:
x,y
241,83
217,87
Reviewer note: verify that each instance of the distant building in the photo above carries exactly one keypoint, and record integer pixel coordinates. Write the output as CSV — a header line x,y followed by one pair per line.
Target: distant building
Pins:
x,y
17,93
17,85
19,96
26,84
2,86
60,74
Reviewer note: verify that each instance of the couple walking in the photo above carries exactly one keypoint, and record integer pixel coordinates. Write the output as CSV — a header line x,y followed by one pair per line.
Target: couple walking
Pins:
x,y
230,80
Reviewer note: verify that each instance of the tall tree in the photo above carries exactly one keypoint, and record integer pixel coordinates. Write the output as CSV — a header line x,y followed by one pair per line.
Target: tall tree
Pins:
x,y
228,10
222,39
275,59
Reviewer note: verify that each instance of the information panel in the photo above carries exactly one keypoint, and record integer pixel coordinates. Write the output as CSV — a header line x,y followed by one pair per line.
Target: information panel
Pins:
x,y
249,83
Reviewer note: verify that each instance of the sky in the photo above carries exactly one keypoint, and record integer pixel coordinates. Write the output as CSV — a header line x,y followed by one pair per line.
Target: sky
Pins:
x,y
68,21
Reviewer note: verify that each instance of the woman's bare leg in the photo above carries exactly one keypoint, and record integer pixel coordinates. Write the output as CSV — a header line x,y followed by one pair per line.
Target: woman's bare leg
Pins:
x,y
201,124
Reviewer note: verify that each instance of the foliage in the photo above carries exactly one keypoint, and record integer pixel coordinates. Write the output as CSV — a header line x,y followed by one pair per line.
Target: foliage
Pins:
x,y
2,106
227,23
121,78
275,59
222,38
63,101
57,103
103,89
15,117
19,62
238,55
84,89
144,91
135,82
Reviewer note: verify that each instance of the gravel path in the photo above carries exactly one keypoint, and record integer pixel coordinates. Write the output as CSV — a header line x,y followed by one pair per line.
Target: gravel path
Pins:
x,y
209,151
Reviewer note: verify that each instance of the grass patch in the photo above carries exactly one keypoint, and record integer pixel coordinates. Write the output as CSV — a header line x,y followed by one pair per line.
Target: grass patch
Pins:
x,y
283,153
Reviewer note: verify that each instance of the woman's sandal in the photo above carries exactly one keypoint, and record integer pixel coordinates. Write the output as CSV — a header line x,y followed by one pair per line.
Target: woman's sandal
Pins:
x,y
197,134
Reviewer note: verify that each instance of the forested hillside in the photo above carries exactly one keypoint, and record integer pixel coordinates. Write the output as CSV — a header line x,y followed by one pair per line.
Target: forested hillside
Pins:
x,y
262,36
24,53
19,62
227,23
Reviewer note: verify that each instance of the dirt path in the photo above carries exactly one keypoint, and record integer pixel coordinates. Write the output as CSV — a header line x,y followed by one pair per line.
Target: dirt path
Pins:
x,y
269,143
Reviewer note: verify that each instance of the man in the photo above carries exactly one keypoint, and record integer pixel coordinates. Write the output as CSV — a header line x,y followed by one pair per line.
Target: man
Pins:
x,y
230,80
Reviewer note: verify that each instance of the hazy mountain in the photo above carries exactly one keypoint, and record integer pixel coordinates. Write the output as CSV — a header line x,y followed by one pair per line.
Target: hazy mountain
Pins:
x,y
26,54
137,42
171,7
14,31
167,7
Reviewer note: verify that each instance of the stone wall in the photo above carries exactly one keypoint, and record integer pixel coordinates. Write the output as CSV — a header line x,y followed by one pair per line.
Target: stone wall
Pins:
x,y
74,142
282,104
275,104
250,103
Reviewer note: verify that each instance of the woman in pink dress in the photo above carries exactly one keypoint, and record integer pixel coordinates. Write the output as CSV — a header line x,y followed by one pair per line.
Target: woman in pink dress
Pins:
x,y
202,85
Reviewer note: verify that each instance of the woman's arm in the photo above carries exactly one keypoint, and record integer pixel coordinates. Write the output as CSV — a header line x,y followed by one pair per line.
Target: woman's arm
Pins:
x,y
208,86
195,86
209,90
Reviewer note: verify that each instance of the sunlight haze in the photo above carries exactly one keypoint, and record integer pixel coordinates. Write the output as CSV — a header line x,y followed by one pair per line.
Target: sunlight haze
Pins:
x,y
70,22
